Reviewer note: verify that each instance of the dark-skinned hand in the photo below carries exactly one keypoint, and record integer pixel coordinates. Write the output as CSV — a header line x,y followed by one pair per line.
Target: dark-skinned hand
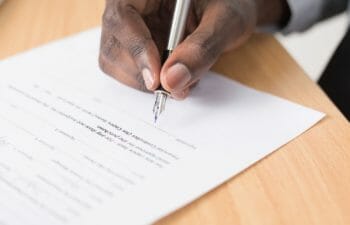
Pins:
x,y
134,32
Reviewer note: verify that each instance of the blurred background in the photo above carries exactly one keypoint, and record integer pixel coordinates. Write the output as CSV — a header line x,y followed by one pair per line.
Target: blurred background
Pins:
x,y
314,48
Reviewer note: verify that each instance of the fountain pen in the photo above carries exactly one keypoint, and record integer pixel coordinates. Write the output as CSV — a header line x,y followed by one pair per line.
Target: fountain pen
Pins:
x,y
177,30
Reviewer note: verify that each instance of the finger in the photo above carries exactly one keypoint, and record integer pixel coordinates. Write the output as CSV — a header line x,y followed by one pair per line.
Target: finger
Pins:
x,y
127,48
199,51
121,70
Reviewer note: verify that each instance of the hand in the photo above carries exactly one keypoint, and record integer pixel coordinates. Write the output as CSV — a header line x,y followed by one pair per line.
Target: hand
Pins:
x,y
134,32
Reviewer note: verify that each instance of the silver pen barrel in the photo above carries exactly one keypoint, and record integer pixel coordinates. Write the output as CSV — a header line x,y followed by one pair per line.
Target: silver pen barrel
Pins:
x,y
177,30
178,24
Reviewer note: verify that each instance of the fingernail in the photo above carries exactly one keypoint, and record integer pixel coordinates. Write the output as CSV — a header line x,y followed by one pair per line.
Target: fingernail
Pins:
x,y
177,76
148,78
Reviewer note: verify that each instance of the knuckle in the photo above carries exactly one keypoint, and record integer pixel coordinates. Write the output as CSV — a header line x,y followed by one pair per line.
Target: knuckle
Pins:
x,y
138,46
110,47
111,17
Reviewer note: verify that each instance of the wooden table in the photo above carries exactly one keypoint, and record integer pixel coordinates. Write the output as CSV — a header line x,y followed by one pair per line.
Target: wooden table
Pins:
x,y
305,182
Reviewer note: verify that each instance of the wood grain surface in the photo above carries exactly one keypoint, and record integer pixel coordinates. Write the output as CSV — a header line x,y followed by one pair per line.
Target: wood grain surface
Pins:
x,y
305,182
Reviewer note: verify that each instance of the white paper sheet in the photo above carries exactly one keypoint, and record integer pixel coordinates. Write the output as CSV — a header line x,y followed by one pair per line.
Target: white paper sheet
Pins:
x,y
77,147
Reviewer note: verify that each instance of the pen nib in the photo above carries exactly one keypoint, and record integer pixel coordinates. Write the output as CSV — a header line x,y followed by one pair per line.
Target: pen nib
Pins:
x,y
159,105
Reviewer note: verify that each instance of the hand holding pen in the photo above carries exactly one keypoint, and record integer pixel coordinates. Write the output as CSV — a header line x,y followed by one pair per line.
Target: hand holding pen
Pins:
x,y
135,33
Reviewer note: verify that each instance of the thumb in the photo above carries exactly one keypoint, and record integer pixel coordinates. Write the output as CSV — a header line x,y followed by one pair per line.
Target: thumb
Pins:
x,y
220,29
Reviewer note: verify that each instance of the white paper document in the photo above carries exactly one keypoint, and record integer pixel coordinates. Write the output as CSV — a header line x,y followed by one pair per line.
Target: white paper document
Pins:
x,y
77,147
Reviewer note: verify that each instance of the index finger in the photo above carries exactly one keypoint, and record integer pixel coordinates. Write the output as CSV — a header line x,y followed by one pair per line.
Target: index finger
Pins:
x,y
133,46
